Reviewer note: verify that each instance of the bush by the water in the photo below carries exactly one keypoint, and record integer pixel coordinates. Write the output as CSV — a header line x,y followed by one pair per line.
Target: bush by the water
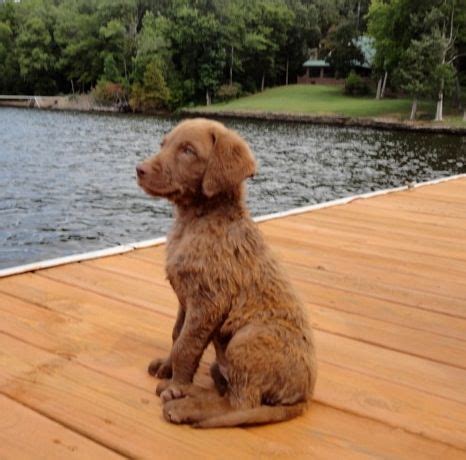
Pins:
x,y
228,92
152,94
356,85
109,93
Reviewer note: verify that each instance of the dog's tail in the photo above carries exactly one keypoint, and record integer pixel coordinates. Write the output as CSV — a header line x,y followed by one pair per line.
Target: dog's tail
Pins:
x,y
254,416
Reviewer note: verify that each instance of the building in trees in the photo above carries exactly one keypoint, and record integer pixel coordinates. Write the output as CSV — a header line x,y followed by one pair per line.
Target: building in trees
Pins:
x,y
321,71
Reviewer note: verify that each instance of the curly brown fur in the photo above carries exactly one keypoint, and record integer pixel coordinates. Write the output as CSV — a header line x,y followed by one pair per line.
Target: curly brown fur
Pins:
x,y
231,289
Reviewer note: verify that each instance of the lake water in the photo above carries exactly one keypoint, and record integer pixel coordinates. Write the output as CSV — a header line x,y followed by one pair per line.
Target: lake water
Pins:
x,y
67,180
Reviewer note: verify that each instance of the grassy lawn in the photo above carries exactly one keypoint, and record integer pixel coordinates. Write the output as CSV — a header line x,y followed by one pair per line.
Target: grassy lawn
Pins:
x,y
322,100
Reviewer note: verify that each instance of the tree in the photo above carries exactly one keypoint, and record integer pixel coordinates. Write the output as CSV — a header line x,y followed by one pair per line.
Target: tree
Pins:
x,y
401,26
417,70
34,57
303,33
446,37
153,94
198,51
343,50
77,34
389,47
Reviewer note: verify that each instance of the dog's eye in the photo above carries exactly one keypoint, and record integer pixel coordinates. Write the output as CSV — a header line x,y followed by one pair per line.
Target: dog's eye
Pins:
x,y
188,150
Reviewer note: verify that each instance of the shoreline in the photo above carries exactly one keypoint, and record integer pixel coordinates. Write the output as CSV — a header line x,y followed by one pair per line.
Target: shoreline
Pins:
x,y
84,103
81,103
329,120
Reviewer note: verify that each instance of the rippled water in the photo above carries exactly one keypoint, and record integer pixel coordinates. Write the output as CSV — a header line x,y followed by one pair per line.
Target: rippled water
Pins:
x,y
67,181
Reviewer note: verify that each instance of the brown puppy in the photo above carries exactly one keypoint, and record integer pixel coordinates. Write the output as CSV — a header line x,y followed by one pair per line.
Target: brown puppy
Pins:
x,y
230,288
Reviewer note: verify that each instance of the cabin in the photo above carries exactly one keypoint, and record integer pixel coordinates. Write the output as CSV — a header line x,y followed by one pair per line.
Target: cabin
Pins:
x,y
319,71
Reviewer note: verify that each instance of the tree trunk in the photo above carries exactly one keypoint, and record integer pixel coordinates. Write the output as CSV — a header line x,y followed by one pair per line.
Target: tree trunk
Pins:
x,y
413,109
384,84
207,97
379,88
72,86
263,81
287,66
359,14
457,97
231,66
439,111
464,115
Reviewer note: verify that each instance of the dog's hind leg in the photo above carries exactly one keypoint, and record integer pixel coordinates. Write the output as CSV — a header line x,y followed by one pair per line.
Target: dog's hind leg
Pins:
x,y
193,409
209,410
220,381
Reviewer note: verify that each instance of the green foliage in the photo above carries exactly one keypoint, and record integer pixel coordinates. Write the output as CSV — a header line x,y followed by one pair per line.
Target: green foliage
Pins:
x,y
50,46
228,92
355,85
344,52
108,93
153,95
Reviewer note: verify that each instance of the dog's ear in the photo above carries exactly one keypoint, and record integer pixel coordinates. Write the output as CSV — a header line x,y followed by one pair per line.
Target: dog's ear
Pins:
x,y
229,163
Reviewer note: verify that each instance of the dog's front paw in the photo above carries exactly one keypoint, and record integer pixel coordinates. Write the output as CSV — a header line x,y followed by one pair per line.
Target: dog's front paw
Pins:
x,y
160,368
168,390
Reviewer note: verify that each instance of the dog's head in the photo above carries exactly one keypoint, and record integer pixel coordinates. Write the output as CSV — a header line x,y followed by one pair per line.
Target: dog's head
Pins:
x,y
198,157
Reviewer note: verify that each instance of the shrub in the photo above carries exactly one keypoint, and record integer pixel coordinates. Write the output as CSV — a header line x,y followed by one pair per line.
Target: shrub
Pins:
x,y
109,93
355,85
153,94
227,92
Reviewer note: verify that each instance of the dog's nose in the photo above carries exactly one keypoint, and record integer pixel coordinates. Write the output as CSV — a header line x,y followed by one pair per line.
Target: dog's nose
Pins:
x,y
140,171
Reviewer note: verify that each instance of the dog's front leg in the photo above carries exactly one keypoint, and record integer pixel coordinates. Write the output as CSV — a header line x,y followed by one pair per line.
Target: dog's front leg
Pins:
x,y
197,331
162,367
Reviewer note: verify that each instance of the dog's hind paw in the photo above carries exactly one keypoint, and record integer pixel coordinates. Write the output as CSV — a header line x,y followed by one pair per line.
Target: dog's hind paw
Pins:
x,y
181,411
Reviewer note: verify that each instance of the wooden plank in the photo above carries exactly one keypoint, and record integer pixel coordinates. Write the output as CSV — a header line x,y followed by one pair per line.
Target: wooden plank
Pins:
x,y
364,244
434,417
337,297
383,281
361,284
113,285
118,415
25,434
442,380
363,247
129,419
69,393
402,339
452,196
418,205
132,266
321,248
447,350
435,200
363,208
108,345
75,339
341,262
345,216
394,287
360,210
388,365
410,243
385,311
360,434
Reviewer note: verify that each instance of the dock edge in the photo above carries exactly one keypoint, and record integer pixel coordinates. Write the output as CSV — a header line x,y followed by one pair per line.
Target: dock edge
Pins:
x,y
124,248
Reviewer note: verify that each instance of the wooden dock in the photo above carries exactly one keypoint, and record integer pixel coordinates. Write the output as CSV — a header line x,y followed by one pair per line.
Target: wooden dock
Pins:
x,y
384,280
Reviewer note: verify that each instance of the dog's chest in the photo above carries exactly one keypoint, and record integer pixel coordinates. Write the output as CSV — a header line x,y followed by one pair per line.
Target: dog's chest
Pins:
x,y
184,266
